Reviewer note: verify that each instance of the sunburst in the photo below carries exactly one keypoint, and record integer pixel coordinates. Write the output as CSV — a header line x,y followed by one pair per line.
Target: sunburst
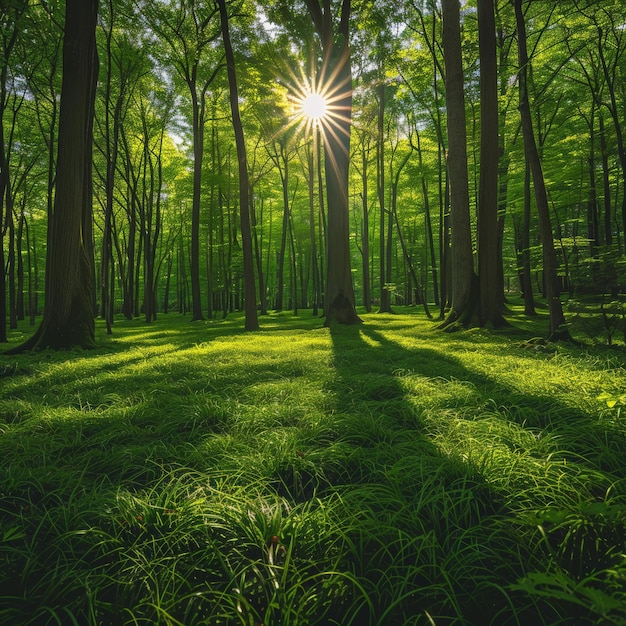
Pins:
x,y
320,106
317,104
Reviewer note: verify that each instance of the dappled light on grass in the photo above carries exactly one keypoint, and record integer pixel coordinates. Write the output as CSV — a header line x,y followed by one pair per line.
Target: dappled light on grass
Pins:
x,y
377,474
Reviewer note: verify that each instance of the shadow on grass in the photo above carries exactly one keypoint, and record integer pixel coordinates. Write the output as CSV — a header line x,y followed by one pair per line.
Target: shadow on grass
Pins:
x,y
426,531
441,541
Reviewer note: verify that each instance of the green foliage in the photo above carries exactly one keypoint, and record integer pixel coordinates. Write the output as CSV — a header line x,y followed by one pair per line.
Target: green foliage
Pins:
x,y
381,474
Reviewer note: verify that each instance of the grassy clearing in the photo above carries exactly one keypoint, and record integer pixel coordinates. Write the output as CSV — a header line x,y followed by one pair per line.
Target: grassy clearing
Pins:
x,y
386,474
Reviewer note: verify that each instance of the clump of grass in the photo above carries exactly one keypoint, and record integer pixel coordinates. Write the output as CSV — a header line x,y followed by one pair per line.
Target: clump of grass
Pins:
x,y
375,475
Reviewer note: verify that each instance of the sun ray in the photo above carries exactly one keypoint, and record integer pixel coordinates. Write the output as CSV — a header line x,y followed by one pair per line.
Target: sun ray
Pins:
x,y
319,103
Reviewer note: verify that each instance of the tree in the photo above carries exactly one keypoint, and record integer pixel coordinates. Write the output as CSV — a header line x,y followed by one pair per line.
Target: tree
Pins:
x,y
124,66
10,17
252,322
557,319
68,319
462,262
490,310
190,34
337,79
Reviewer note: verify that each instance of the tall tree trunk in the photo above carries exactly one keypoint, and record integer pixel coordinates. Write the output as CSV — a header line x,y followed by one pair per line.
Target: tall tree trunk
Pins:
x,y
614,110
69,309
557,319
385,259
462,262
311,154
111,149
490,310
430,243
258,255
198,153
606,186
20,262
282,251
367,296
251,315
339,294
527,283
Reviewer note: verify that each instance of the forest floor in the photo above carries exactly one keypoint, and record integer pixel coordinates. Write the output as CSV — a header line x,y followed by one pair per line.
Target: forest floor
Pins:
x,y
381,474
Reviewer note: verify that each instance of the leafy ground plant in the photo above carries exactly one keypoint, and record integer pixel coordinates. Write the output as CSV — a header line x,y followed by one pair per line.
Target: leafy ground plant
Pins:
x,y
380,474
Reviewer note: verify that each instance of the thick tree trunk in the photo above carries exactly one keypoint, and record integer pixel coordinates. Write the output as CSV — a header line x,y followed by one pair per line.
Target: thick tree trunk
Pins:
x,y
490,311
339,302
462,263
339,294
69,309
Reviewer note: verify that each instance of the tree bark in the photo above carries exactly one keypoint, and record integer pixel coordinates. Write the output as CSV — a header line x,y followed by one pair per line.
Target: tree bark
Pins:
x,y
384,247
68,319
490,310
339,295
557,319
462,262
250,303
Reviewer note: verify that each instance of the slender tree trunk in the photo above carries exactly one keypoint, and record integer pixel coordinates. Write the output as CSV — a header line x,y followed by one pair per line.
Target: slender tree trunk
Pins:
x,y
111,149
527,284
258,256
251,315
405,252
385,288
312,234
322,221
367,295
10,227
606,186
593,229
280,270
557,319
198,153
614,110
20,263
430,243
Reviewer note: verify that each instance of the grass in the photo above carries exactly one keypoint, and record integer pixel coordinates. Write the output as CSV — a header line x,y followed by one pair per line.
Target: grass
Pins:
x,y
387,474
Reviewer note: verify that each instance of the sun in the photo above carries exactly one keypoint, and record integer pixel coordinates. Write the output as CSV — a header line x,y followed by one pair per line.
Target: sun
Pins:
x,y
318,104
314,105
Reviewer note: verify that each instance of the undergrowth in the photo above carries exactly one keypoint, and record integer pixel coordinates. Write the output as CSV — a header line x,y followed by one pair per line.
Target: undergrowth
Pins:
x,y
383,474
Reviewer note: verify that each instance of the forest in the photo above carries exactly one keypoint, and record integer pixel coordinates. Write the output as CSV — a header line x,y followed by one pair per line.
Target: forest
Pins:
x,y
312,312
535,141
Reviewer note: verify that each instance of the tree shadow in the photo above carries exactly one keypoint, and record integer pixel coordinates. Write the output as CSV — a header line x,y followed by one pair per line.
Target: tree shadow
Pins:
x,y
475,552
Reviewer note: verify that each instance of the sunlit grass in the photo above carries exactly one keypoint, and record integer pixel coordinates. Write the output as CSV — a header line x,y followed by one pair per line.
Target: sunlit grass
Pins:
x,y
382,474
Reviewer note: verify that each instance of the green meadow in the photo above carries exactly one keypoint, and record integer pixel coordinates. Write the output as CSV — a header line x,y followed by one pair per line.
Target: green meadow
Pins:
x,y
381,474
